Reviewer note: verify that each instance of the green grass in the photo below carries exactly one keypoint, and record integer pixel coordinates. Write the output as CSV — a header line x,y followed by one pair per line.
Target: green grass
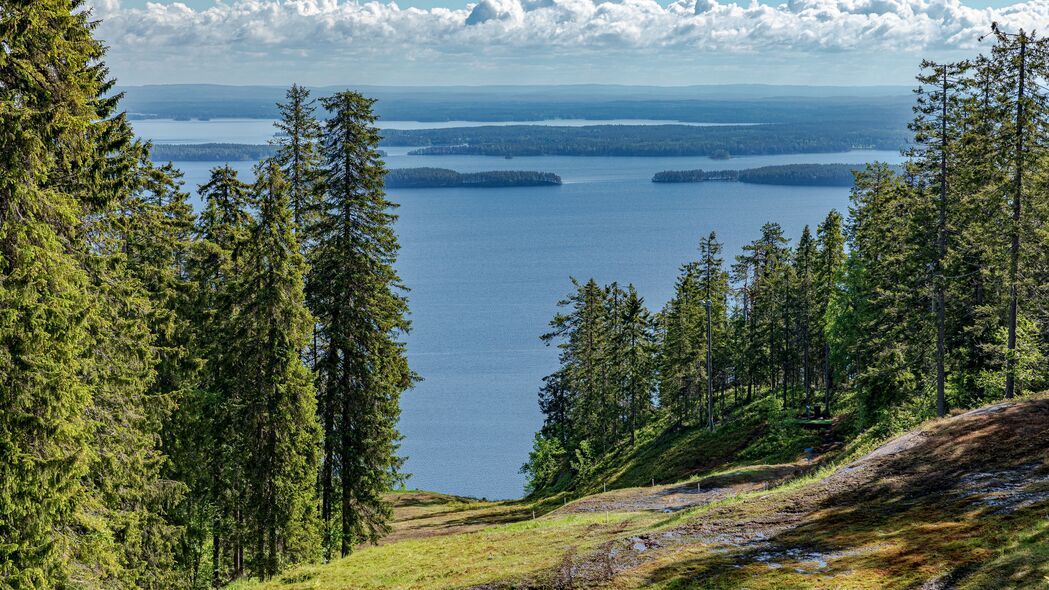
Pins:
x,y
525,551
899,529
759,433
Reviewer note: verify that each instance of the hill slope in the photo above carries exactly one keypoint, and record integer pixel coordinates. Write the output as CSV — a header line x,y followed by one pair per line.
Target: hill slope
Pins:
x,y
959,503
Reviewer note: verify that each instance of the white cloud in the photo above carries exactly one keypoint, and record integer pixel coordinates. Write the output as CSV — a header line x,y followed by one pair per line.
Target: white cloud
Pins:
x,y
342,33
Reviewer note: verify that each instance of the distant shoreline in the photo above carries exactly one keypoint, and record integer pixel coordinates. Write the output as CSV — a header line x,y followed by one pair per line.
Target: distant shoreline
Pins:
x,y
445,178
785,175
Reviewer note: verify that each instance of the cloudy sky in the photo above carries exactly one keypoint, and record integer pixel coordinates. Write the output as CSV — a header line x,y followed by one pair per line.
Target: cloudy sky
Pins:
x,y
424,42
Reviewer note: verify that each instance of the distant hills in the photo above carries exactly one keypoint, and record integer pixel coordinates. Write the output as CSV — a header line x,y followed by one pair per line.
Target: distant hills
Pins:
x,y
738,103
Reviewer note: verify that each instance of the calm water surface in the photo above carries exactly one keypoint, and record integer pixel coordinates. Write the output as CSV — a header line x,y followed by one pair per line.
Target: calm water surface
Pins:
x,y
487,266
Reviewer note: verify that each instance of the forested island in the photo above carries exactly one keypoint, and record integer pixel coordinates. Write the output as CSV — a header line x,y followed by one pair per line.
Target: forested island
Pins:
x,y
787,174
445,178
211,152
214,152
646,140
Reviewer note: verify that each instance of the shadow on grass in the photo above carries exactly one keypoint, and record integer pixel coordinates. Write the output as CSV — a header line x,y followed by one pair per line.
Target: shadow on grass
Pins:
x,y
897,519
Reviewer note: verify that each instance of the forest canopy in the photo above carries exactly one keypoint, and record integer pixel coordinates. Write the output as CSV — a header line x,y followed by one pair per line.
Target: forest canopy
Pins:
x,y
444,178
211,152
188,398
648,140
787,174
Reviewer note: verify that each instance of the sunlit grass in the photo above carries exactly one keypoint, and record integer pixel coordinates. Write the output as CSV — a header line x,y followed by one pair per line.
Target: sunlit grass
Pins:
x,y
526,550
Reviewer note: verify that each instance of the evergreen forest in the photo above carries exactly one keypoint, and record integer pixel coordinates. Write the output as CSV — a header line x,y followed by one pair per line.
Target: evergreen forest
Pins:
x,y
187,399
926,296
202,398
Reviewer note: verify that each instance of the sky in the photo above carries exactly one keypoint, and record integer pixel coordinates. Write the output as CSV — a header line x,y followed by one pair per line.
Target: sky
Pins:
x,y
475,42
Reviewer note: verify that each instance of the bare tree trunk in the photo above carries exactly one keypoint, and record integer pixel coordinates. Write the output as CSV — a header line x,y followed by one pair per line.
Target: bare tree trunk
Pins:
x,y
828,378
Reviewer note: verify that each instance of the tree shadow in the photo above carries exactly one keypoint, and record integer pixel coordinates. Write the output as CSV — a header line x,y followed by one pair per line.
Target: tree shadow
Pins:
x,y
915,501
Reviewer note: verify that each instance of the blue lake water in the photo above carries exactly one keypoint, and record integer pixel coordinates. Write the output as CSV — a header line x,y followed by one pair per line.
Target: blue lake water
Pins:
x,y
487,266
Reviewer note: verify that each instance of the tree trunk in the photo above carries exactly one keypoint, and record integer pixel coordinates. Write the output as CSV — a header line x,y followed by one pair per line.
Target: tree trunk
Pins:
x,y
1014,251
216,553
941,249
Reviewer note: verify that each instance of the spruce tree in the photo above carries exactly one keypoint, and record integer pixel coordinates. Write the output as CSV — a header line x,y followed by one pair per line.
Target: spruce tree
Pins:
x,y
888,270
50,95
805,262
276,409
209,454
682,346
139,366
298,152
636,341
583,336
830,266
357,299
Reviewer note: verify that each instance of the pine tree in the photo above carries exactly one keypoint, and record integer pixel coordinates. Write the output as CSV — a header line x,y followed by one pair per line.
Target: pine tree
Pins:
x,y
356,297
714,284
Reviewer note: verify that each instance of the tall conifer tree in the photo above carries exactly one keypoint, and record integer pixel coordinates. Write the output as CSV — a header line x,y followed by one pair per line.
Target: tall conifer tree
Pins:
x,y
298,152
276,405
361,311
51,84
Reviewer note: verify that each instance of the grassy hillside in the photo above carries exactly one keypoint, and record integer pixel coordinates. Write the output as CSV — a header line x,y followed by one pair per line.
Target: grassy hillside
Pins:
x,y
758,434
957,503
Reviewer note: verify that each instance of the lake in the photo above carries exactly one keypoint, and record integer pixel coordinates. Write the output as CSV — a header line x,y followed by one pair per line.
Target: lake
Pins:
x,y
486,268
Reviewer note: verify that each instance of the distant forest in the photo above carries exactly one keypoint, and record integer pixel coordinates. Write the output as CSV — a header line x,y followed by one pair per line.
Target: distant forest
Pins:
x,y
873,108
788,174
214,152
445,178
646,140
211,152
